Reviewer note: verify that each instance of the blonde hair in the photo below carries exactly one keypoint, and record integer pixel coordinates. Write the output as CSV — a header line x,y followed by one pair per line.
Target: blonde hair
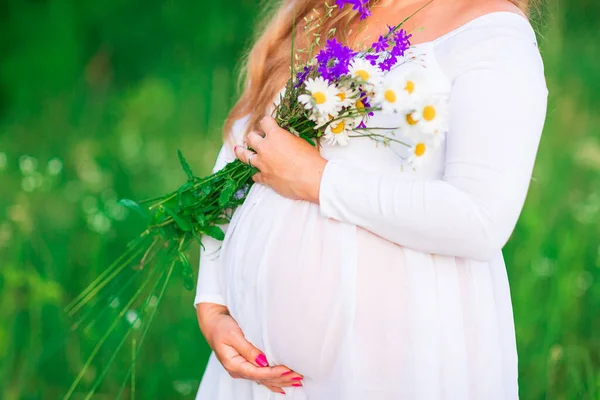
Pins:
x,y
266,68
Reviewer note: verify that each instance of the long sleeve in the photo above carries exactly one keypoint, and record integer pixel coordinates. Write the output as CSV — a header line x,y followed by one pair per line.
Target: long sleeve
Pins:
x,y
211,285
497,111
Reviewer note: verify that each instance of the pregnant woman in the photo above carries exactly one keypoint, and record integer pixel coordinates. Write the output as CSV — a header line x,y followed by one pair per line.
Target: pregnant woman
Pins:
x,y
348,274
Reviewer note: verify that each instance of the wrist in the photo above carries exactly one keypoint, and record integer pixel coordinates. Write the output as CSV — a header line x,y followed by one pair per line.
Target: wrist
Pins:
x,y
314,181
207,314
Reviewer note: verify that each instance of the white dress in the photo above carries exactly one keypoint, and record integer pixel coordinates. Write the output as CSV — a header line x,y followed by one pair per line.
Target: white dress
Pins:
x,y
394,286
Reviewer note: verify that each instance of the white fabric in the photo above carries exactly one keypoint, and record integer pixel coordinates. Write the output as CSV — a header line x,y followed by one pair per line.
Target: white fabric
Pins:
x,y
394,286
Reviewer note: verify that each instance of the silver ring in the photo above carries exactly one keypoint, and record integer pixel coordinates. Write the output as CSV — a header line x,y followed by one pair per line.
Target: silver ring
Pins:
x,y
250,159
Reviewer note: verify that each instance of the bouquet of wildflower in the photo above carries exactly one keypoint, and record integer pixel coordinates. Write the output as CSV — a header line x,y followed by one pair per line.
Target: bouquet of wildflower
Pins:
x,y
328,100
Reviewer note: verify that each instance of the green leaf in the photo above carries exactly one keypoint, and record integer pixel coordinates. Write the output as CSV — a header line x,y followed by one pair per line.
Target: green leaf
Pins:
x,y
201,218
226,194
206,189
214,232
307,138
182,223
186,272
132,205
185,199
185,186
185,165
221,221
158,215
198,239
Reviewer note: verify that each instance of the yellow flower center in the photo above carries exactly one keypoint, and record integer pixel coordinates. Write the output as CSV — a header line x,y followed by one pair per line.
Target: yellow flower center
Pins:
x,y
364,75
410,119
319,97
342,96
390,96
339,128
420,149
360,105
410,87
429,113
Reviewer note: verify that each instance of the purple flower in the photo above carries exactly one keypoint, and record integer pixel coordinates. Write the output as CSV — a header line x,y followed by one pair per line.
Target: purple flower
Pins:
x,y
380,45
401,43
366,103
398,51
388,63
302,75
362,125
333,61
362,6
372,58
402,36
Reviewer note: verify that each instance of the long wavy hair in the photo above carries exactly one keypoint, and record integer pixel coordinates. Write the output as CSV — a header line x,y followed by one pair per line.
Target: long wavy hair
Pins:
x,y
266,67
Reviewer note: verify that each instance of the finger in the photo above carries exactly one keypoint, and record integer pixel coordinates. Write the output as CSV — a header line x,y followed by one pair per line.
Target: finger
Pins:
x,y
254,140
289,378
274,389
269,125
254,365
238,367
242,154
250,371
284,383
247,350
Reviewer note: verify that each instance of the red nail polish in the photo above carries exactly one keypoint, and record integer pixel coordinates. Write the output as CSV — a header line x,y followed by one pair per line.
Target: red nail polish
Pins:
x,y
285,373
234,148
297,384
282,392
262,360
298,378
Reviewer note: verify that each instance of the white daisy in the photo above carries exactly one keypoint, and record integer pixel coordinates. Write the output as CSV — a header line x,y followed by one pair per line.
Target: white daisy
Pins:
x,y
337,131
430,115
421,150
391,95
415,84
400,92
367,74
348,96
322,98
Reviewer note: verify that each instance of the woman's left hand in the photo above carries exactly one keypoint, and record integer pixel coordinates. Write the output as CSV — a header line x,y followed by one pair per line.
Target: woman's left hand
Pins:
x,y
287,163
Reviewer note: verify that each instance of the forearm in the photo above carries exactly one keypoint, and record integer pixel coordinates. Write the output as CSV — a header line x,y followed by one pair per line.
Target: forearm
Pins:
x,y
432,216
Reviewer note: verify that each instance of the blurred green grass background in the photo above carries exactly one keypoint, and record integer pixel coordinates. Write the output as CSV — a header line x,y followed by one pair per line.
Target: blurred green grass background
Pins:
x,y
95,97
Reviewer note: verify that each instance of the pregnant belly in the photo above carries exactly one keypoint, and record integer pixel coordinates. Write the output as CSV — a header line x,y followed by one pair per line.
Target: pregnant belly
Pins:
x,y
286,282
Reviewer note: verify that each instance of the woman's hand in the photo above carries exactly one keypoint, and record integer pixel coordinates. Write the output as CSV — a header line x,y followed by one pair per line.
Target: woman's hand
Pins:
x,y
237,355
287,163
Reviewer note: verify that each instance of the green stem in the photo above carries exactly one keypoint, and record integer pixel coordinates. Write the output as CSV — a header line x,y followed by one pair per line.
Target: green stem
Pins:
x,y
133,348
143,336
114,265
96,288
114,354
93,311
103,339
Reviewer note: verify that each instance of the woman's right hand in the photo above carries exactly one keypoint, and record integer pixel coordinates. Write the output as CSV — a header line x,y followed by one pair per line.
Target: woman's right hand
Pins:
x,y
237,355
